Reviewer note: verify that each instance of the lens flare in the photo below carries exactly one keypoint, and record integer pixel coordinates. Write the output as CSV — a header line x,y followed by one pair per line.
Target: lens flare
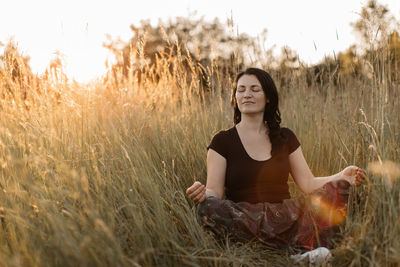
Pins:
x,y
329,214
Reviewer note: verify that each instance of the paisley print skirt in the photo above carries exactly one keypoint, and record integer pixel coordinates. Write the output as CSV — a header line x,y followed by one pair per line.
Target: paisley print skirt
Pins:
x,y
297,224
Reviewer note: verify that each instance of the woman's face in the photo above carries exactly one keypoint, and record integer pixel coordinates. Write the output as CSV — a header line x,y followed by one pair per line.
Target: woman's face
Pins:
x,y
250,96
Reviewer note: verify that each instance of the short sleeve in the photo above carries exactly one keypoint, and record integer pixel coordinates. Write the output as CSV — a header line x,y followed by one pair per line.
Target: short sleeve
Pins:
x,y
292,143
219,144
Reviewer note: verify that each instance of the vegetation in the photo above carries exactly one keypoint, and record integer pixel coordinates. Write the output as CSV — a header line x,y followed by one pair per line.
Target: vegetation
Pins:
x,y
96,175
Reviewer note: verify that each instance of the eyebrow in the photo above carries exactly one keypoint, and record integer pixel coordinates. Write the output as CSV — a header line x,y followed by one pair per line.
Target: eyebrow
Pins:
x,y
253,85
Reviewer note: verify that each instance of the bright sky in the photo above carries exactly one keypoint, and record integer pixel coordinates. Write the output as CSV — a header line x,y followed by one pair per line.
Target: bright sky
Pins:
x,y
77,28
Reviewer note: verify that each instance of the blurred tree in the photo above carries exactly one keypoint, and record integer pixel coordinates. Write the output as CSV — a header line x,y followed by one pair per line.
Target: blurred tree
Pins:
x,y
378,30
206,44
350,61
393,55
324,74
375,21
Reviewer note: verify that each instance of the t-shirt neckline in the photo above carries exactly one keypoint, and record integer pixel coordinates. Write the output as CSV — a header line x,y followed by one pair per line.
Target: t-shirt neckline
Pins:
x,y
244,149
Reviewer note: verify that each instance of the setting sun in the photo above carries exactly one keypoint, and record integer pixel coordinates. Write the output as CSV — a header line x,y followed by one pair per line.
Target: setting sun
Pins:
x,y
76,30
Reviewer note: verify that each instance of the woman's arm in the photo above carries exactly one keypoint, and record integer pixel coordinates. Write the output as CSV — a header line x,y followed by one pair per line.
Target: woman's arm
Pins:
x,y
216,169
304,178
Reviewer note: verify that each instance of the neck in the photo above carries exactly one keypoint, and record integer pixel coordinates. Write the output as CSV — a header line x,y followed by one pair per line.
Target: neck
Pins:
x,y
253,123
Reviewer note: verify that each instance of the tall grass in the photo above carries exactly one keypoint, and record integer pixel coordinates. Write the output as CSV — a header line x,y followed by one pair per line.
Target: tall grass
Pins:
x,y
95,175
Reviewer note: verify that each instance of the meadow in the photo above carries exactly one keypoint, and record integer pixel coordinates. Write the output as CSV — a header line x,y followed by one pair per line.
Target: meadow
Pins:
x,y
96,175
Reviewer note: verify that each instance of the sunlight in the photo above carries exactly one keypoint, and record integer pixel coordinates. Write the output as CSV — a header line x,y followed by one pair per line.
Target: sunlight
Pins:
x,y
330,214
85,66
77,31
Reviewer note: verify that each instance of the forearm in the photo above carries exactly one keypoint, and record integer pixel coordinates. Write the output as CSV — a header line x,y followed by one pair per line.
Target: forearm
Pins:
x,y
317,182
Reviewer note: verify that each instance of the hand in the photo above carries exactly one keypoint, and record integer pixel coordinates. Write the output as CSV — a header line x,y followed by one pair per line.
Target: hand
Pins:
x,y
197,192
354,175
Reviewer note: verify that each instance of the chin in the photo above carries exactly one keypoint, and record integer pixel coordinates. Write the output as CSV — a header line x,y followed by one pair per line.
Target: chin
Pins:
x,y
251,111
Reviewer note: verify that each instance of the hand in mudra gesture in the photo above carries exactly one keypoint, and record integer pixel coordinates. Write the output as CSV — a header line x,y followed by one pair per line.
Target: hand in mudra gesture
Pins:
x,y
354,175
197,192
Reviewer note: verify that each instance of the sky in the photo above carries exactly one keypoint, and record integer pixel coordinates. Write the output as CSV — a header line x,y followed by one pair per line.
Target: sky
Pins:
x,y
78,28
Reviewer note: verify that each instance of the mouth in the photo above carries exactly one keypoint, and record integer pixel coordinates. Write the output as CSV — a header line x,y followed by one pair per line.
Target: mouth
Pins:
x,y
248,102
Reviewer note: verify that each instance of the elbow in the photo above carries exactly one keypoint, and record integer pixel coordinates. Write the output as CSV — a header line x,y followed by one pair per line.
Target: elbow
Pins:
x,y
304,188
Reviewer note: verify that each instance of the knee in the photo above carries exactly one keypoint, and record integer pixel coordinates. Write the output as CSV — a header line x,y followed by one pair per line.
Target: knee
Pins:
x,y
336,192
215,213
208,207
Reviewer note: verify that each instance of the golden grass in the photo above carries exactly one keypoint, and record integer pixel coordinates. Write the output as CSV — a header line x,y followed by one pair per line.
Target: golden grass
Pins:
x,y
96,176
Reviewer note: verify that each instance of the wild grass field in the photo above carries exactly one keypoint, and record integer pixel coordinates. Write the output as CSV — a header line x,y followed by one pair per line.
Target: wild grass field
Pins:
x,y
96,175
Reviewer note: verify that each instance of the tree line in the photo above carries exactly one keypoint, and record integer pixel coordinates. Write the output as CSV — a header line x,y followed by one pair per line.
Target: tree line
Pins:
x,y
202,47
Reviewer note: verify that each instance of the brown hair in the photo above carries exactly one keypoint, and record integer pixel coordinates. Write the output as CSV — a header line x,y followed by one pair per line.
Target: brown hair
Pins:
x,y
272,115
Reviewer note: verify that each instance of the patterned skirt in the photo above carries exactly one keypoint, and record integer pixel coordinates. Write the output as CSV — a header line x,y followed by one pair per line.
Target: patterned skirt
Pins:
x,y
297,224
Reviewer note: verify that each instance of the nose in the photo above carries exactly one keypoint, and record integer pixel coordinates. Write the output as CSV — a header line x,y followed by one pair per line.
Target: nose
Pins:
x,y
247,93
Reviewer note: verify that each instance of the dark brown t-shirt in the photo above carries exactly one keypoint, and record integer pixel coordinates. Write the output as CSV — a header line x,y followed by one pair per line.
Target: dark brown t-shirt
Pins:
x,y
251,180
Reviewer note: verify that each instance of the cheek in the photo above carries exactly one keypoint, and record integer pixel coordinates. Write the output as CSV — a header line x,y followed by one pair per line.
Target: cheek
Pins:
x,y
262,98
237,97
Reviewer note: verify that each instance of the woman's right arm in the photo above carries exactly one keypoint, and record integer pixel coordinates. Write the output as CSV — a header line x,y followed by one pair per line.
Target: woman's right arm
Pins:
x,y
216,169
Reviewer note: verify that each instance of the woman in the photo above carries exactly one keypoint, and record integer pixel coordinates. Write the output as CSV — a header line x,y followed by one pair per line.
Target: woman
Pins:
x,y
250,163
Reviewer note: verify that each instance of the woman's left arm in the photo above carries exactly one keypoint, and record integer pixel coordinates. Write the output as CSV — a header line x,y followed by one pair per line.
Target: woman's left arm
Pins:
x,y
304,178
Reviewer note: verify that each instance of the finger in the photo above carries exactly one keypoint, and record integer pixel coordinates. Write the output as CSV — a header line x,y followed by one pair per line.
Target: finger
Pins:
x,y
203,198
193,188
362,171
362,177
202,195
199,196
357,182
198,190
361,174
359,179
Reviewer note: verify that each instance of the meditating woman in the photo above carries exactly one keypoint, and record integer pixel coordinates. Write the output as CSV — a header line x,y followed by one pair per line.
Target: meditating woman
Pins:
x,y
250,164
